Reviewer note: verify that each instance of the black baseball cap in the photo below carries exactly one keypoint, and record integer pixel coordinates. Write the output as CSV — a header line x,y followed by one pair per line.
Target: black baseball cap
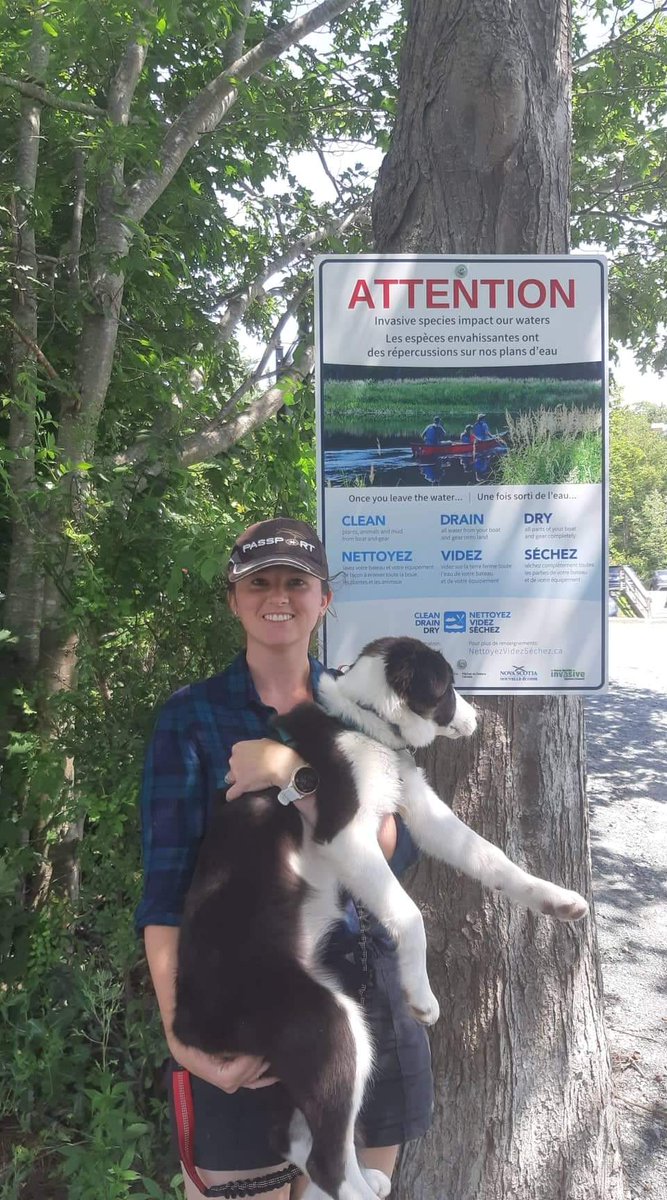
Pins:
x,y
280,542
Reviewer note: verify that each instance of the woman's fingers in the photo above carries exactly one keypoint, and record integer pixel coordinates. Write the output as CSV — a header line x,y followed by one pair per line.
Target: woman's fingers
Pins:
x,y
262,763
244,1070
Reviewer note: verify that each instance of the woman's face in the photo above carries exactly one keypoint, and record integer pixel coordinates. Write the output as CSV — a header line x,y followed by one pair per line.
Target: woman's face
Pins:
x,y
279,606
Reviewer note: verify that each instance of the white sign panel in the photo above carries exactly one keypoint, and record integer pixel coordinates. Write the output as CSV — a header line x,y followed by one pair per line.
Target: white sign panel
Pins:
x,y
462,462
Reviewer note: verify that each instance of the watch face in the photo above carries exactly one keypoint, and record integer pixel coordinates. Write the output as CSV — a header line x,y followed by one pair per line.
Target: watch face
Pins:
x,y
306,780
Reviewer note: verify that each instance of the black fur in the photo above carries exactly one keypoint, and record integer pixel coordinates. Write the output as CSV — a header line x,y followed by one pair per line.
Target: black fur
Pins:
x,y
241,987
419,675
312,732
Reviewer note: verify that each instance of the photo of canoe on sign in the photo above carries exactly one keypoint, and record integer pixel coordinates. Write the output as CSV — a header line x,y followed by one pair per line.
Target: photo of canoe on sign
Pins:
x,y
516,425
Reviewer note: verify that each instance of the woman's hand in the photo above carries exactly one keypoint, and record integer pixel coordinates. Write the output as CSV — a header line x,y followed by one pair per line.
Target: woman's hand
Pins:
x,y
228,1074
260,764
263,763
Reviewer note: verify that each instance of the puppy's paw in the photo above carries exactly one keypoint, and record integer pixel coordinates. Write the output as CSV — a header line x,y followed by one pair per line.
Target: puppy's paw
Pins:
x,y
564,905
377,1181
425,1009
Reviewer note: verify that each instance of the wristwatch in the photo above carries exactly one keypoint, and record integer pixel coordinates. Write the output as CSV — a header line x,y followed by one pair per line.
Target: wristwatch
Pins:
x,y
304,782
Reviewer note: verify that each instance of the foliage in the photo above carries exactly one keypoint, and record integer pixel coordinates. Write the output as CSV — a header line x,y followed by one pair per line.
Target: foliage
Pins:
x,y
638,492
620,162
405,406
556,460
78,1030
130,536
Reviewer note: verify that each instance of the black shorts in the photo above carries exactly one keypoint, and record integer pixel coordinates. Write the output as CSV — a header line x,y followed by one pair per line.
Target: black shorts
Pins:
x,y
232,1133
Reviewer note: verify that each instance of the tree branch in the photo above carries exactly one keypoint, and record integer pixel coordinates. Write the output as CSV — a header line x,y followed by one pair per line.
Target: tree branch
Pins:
x,y
625,218
213,103
329,174
74,245
140,451
34,92
215,439
620,39
234,44
239,303
33,348
124,82
270,346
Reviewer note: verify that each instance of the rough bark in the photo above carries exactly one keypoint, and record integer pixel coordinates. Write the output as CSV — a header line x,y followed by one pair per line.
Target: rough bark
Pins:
x,y
480,155
479,162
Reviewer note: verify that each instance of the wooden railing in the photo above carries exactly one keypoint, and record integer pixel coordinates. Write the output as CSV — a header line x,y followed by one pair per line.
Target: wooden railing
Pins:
x,y
623,581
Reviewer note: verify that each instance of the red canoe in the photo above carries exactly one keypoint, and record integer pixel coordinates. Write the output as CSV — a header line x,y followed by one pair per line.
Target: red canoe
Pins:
x,y
459,449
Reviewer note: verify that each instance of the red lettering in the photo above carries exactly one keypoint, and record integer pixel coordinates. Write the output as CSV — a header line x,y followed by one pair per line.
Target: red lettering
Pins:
x,y
558,290
460,290
493,285
541,293
436,293
411,285
386,285
361,295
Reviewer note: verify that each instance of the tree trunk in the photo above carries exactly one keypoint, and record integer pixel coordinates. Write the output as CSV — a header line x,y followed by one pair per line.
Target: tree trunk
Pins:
x,y
480,163
23,609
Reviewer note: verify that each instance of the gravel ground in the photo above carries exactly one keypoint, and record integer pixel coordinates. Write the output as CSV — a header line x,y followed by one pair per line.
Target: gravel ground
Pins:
x,y
627,785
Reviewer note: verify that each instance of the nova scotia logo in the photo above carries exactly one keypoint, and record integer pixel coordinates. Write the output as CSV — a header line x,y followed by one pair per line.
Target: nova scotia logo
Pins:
x,y
454,622
519,674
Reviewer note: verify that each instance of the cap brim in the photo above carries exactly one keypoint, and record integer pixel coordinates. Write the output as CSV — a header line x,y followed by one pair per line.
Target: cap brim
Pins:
x,y
240,572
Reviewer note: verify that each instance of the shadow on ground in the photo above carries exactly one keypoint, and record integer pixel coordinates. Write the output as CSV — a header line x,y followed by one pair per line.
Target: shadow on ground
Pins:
x,y
627,789
626,732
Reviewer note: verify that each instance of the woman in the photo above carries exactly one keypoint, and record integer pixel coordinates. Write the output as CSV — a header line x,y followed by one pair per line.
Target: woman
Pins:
x,y
215,735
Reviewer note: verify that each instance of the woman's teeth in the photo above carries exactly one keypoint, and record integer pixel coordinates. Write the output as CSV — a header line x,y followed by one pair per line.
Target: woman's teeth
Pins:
x,y
278,617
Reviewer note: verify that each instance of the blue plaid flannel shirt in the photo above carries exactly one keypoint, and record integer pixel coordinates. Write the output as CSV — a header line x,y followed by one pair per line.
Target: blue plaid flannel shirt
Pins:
x,y
186,763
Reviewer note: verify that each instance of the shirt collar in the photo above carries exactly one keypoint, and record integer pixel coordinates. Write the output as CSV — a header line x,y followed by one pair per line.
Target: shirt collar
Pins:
x,y
241,690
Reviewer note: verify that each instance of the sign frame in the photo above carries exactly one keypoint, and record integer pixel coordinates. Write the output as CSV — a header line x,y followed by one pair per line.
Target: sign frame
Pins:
x,y
459,267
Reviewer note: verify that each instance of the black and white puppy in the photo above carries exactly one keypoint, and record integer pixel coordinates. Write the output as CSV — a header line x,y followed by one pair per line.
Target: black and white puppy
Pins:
x,y
267,890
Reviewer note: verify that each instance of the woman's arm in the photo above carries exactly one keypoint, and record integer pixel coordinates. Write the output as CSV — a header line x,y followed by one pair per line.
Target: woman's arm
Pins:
x,y
263,763
241,1070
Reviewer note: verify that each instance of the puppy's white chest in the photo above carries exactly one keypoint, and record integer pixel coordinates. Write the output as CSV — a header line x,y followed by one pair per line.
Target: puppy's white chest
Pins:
x,y
375,771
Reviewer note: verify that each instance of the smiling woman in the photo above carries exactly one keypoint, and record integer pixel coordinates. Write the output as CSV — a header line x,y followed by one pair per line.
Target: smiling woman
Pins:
x,y
278,580
212,744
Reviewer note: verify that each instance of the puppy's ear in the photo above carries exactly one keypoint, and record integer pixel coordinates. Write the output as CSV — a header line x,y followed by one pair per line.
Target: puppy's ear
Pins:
x,y
418,674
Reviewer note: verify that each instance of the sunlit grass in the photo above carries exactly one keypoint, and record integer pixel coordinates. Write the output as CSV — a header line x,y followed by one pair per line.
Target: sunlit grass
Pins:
x,y
403,407
556,460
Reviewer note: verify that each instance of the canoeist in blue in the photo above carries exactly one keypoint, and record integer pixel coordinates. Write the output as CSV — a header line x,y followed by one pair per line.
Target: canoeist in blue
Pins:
x,y
434,433
480,428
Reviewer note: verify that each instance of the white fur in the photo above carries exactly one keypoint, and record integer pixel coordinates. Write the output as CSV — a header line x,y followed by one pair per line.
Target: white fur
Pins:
x,y
388,781
464,722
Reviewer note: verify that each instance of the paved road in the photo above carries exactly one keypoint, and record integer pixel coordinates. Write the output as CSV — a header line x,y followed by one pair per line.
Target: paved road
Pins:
x,y
627,781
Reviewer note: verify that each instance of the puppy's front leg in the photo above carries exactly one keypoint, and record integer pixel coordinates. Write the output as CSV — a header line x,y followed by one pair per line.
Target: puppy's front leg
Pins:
x,y
441,834
362,869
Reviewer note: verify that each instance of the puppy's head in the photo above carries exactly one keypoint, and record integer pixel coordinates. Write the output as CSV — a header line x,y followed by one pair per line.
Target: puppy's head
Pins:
x,y
412,686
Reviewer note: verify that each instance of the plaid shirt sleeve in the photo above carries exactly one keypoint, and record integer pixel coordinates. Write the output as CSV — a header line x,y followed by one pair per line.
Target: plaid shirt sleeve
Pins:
x,y
173,804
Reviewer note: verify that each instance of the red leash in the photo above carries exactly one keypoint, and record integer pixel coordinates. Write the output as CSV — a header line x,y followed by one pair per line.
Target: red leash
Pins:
x,y
185,1125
